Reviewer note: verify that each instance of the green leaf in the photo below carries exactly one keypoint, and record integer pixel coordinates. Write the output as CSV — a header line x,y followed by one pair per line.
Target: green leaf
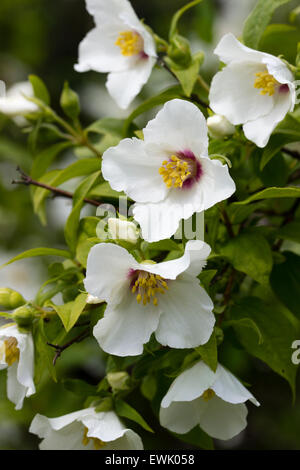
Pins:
x,y
38,252
57,177
209,352
39,89
271,193
251,254
285,282
107,126
167,95
43,353
277,332
276,142
71,311
69,102
280,39
72,224
44,159
188,76
178,15
258,20
149,387
197,437
104,190
126,411
290,231
246,323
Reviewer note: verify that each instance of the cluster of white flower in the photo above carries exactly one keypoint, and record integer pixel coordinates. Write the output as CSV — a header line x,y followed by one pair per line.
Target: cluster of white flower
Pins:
x,y
170,176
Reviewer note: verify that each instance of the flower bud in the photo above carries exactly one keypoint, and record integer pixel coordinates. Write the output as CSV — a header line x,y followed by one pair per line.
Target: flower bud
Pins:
x,y
219,126
118,380
10,299
122,229
179,51
24,316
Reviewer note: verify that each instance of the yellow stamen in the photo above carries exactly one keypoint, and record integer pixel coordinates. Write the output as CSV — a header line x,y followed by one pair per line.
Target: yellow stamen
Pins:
x,y
12,352
98,444
266,82
130,43
174,172
208,394
147,286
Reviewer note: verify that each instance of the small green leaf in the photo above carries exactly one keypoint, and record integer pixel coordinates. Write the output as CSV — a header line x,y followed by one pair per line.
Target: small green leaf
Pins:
x,y
209,352
71,311
39,89
69,102
45,158
188,76
251,254
38,252
276,142
271,193
258,20
126,411
79,387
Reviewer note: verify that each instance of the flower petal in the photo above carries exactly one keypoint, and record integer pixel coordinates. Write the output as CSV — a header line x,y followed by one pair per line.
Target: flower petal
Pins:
x,y
127,327
230,49
15,103
190,384
233,95
97,51
230,389
199,252
180,417
179,126
108,267
187,320
16,392
128,167
260,130
222,420
104,11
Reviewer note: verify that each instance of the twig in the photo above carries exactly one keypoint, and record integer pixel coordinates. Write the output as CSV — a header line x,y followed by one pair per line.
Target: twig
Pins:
x,y
227,222
27,180
59,349
292,153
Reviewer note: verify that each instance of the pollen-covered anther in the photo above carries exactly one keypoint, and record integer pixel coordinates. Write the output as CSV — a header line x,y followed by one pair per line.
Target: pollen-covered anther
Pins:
x,y
266,82
208,394
98,444
12,352
174,172
147,286
130,43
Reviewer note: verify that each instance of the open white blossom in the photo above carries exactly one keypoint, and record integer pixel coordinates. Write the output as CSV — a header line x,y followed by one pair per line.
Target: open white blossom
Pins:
x,y
143,298
255,89
14,103
214,401
17,356
169,174
120,45
85,430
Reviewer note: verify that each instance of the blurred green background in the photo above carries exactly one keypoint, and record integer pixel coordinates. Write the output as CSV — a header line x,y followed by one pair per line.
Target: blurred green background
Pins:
x,y
42,37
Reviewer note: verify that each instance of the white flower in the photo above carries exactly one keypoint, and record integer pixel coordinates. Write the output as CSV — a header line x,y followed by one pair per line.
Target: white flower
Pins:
x,y
254,89
17,355
169,173
85,430
219,126
122,229
120,45
214,401
91,299
14,102
164,298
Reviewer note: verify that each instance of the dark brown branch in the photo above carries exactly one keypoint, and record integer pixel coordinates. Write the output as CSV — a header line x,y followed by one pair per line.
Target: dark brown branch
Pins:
x,y
292,153
59,349
27,180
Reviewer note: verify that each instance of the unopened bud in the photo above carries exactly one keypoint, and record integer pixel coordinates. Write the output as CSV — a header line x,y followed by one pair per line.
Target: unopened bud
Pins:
x,y
24,316
179,51
123,230
10,299
118,380
219,126
219,335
